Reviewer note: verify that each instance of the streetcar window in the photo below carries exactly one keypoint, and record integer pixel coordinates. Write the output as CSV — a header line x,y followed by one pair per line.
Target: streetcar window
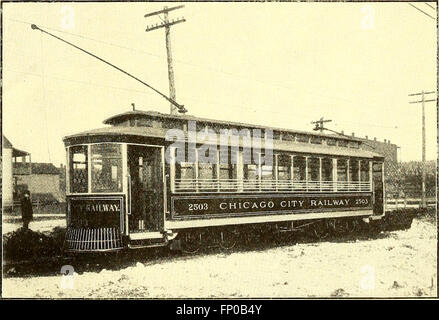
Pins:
x,y
207,170
331,142
267,172
251,176
365,174
201,126
168,124
143,122
251,172
302,138
342,167
185,170
257,133
78,169
267,175
377,170
342,143
326,169
316,140
286,136
283,167
353,170
299,168
354,144
313,169
227,169
106,168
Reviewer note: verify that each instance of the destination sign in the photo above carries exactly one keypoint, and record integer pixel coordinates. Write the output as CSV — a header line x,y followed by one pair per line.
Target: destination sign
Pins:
x,y
98,212
250,204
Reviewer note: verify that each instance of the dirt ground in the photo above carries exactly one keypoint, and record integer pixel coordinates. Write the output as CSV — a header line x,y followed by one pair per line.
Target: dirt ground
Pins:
x,y
41,225
390,264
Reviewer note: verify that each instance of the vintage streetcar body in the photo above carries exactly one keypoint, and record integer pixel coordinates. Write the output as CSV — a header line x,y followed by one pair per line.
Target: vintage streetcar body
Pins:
x,y
126,189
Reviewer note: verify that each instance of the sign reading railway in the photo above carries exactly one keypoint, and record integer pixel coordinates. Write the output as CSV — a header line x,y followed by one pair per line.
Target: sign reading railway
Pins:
x,y
250,204
93,212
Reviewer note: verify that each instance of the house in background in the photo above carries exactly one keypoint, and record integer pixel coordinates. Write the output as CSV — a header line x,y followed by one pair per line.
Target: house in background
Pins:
x,y
43,183
13,161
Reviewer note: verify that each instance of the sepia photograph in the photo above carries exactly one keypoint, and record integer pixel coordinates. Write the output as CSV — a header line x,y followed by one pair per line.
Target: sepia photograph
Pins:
x,y
219,150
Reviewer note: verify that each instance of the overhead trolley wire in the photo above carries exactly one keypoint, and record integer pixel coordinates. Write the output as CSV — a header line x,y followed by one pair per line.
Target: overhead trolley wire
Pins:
x,y
179,107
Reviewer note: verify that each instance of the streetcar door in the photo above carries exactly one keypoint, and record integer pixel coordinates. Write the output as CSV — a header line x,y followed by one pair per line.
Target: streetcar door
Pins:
x,y
378,188
145,188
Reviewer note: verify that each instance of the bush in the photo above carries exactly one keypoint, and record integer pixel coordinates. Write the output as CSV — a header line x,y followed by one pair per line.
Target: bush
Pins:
x,y
402,219
428,214
25,244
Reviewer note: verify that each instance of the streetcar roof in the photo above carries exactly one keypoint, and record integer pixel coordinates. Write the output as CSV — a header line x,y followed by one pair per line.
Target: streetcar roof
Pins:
x,y
148,134
154,114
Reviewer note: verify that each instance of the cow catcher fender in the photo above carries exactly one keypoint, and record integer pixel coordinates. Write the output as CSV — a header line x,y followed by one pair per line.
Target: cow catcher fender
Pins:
x,y
94,224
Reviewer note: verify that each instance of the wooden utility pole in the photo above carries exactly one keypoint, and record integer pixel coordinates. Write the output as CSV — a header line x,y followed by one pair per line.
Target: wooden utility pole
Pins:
x,y
319,124
423,101
166,23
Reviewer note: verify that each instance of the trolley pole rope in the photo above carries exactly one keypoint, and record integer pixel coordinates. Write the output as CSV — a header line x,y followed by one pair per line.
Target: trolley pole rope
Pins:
x,y
180,107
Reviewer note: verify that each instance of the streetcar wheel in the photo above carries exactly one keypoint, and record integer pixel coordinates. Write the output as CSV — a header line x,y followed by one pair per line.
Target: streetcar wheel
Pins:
x,y
351,225
227,240
191,242
320,230
337,227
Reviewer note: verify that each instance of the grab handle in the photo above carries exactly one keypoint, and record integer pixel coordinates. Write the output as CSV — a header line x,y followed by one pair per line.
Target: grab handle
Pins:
x,y
129,194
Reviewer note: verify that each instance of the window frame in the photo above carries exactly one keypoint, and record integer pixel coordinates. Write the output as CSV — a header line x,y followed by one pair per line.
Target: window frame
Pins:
x,y
89,189
119,174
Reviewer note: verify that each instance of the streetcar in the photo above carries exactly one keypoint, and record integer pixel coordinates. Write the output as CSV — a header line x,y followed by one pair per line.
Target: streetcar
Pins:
x,y
150,179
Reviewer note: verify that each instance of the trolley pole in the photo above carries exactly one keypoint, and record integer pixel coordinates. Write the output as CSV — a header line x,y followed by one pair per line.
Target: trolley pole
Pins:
x,y
423,101
166,23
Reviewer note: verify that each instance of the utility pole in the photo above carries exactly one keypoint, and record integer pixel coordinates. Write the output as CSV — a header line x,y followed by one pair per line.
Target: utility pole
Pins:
x,y
166,23
423,101
319,124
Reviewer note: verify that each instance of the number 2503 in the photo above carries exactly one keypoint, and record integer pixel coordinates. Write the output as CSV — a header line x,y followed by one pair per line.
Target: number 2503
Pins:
x,y
362,201
198,206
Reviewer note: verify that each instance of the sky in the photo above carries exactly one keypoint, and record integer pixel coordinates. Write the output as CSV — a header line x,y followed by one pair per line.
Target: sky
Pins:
x,y
275,64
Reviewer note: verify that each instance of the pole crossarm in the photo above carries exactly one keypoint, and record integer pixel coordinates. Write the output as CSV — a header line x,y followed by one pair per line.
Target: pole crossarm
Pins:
x,y
420,93
163,24
430,100
166,24
319,124
165,10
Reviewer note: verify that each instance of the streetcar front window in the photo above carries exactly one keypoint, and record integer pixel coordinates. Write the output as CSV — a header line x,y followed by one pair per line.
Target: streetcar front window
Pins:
x,y
106,168
365,175
78,169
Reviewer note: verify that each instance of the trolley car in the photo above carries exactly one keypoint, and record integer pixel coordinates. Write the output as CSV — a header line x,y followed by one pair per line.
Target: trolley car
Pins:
x,y
143,181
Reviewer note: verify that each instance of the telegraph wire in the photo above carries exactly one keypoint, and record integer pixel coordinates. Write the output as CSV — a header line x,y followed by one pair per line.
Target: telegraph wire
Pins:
x,y
78,81
183,62
421,10
233,75
180,108
44,104
254,109
430,5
